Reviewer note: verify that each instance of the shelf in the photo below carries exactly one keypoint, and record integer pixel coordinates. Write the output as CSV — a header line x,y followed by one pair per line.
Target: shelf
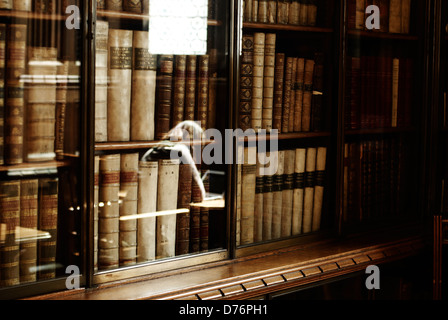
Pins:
x,y
35,168
30,15
367,131
129,145
290,136
381,35
285,27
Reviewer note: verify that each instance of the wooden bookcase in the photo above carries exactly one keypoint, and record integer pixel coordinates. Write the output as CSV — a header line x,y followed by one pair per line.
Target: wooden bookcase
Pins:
x,y
362,222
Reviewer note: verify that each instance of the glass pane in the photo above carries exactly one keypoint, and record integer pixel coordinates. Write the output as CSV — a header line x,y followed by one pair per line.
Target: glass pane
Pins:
x,y
161,87
39,143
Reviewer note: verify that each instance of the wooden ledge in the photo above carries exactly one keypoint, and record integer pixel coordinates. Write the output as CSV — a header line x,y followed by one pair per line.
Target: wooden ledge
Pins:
x,y
251,277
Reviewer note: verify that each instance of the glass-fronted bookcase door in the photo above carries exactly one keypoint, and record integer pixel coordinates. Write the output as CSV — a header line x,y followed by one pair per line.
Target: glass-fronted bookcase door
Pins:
x,y
162,104
41,158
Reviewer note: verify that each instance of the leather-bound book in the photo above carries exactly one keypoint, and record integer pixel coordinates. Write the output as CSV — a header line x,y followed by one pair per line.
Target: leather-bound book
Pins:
x,y
258,204
109,213
312,13
383,5
204,213
317,116
307,95
240,162
262,11
143,89
45,6
203,86
247,14
321,158
299,93
48,221
303,17
268,196
247,71
310,168
101,56
183,202
248,180
272,11
278,91
212,88
268,85
100,4
277,202
40,99
283,7
164,96
147,203
355,92
288,193
6,4
195,216
2,90
21,5
9,219
61,107
134,6
167,188
292,114
14,99
255,10
405,16
120,84
294,12
180,69
96,203
298,192
360,8
395,89
114,5
28,220
258,79
287,85
128,207
190,90
395,14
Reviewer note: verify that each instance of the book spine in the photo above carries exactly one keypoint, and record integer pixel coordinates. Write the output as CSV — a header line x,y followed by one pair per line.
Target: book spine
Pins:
x,y
287,95
114,5
247,71
299,93
6,4
268,180
299,184
128,207
164,89
283,8
360,8
21,5
190,95
258,203
248,5
48,221
262,11
312,13
294,12
167,187
14,103
258,78
405,16
203,86
240,162
319,188
28,220
277,188
134,6
395,10
278,91
355,89
2,90
101,56
10,219
108,223
310,168
268,85
292,114
183,202
248,180
61,106
195,215
303,17
120,84
96,206
395,86
147,203
307,95
318,88
288,193
272,11
180,70
40,106
143,89
204,213
383,5
255,10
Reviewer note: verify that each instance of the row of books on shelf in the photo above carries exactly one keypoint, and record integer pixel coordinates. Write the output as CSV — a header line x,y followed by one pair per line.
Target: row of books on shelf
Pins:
x,y
280,194
37,92
395,15
135,210
278,91
140,96
375,173
292,12
38,6
378,92
28,230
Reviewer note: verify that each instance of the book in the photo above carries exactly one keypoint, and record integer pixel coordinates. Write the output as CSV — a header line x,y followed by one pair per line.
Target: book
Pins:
x,y
360,7
183,202
247,11
272,11
40,100
45,6
268,179
278,91
167,188
283,11
246,71
395,15
204,213
14,98
294,12
147,204
120,84
109,212
195,215
308,200
144,70
255,4
190,90
262,11
240,162
307,95
164,92
395,87
303,16
248,180
298,191
6,4
321,158
288,193
180,69
127,207
2,90
298,89
10,219
100,4
28,219
21,5
258,202
134,6
61,107
287,92
292,108
96,207
268,81
114,5
258,81
405,16
203,86
101,67
48,221
312,13
277,202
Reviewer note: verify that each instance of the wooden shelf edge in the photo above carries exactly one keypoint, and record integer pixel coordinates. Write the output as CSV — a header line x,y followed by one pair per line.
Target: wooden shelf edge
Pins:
x,y
382,35
288,136
129,145
37,165
4,13
286,27
351,132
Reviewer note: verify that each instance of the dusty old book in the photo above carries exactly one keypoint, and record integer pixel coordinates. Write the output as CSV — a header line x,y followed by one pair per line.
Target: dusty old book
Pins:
x,y
21,5
101,56
277,203
287,193
257,83
268,81
180,69
164,96
319,187
310,168
298,192
248,178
